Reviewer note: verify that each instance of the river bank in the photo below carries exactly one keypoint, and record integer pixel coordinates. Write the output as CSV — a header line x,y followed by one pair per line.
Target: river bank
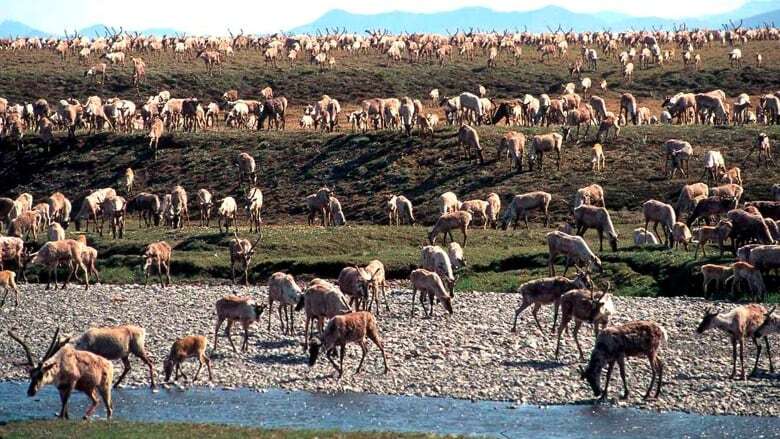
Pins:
x,y
469,355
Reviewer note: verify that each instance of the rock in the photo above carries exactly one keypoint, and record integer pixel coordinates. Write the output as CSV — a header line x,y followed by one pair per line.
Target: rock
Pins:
x,y
470,355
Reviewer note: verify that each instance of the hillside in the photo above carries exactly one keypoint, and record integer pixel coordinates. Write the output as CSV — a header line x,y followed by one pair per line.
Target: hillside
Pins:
x,y
30,75
364,169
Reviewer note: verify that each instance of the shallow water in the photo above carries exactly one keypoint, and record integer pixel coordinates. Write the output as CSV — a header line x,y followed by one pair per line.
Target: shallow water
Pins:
x,y
360,411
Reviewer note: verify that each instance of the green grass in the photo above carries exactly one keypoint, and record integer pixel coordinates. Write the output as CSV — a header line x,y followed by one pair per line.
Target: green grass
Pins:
x,y
497,260
121,429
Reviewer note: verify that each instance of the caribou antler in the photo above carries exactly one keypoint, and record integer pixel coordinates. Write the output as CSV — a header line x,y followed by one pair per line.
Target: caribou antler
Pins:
x,y
54,346
257,241
114,33
30,361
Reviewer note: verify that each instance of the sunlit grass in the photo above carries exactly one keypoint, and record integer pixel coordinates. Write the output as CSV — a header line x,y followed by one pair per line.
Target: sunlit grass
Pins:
x,y
497,260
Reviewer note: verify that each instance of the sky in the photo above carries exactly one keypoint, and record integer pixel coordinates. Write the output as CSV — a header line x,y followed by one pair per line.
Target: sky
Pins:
x,y
214,17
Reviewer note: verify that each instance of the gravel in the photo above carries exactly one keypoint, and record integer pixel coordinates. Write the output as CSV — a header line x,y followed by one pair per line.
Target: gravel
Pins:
x,y
471,354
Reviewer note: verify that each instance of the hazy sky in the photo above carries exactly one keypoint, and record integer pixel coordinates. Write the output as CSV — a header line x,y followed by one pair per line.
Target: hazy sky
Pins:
x,y
196,16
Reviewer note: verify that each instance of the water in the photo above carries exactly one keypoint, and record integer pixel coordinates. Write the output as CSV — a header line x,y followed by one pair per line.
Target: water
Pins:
x,y
360,411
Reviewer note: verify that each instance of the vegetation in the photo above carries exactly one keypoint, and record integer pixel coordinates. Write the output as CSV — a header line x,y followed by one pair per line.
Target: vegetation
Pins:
x,y
498,260
28,75
364,169
120,429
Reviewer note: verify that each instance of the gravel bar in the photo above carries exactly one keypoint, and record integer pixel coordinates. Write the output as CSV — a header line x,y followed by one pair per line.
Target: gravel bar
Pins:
x,y
471,354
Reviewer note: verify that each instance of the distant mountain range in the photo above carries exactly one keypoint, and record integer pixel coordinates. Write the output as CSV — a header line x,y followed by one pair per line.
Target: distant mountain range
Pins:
x,y
10,28
99,30
753,13
760,19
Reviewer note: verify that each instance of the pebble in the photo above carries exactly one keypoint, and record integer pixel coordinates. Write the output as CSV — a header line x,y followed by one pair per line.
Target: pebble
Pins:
x,y
470,355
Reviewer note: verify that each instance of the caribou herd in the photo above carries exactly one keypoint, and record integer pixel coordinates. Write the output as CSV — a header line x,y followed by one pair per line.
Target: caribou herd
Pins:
x,y
574,114
707,212
581,103
354,304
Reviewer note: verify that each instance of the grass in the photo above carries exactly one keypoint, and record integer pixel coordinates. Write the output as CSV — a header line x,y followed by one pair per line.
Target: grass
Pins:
x,y
121,429
364,169
497,260
29,75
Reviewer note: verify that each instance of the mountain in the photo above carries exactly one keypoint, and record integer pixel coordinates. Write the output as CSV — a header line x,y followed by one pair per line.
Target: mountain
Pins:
x,y
94,31
753,13
760,19
611,16
99,30
160,31
538,20
10,28
748,10
464,18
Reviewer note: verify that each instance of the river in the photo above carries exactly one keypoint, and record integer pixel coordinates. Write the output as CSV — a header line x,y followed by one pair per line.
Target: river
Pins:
x,y
361,411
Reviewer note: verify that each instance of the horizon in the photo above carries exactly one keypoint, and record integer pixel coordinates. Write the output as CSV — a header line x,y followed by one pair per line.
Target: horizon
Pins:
x,y
286,17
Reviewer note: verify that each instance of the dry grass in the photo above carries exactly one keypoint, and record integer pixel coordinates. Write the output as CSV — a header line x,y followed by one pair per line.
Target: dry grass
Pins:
x,y
30,75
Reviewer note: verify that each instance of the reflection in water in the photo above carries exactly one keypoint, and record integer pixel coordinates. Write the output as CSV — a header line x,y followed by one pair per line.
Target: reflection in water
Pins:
x,y
359,411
